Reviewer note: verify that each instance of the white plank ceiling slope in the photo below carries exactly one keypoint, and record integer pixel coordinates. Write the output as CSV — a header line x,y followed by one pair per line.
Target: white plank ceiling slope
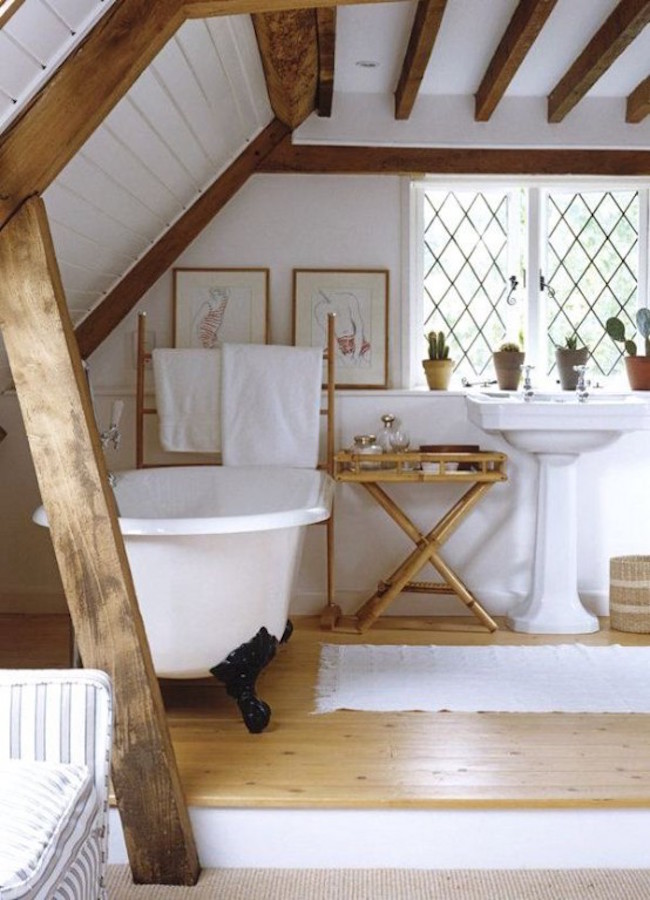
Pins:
x,y
184,121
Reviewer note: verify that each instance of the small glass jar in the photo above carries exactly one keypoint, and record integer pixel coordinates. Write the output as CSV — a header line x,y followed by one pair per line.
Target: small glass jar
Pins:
x,y
366,444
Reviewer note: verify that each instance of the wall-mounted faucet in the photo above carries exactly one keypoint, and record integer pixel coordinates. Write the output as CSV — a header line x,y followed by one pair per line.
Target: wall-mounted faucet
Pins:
x,y
527,387
112,434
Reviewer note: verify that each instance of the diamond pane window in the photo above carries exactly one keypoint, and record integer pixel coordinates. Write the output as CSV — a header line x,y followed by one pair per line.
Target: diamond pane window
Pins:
x,y
533,263
467,260
592,265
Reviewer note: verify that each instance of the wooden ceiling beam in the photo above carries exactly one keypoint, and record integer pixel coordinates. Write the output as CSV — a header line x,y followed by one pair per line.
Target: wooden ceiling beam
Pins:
x,y
526,23
326,37
60,425
79,96
7,10
426,24
618,31
204,9
121,300
288,47
637,105
346,160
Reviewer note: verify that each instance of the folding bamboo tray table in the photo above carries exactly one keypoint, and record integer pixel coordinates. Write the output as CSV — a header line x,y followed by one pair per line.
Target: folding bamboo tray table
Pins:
x,y
480,470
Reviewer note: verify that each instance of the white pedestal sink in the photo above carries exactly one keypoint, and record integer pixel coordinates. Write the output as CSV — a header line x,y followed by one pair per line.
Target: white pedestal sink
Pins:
x,y
556,428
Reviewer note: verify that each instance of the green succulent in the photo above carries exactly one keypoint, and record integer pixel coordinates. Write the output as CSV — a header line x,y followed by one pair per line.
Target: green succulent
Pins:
x,y
437,345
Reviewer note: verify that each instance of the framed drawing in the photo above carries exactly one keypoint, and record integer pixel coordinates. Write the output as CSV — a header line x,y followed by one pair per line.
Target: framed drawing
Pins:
x,y
217,306
359,297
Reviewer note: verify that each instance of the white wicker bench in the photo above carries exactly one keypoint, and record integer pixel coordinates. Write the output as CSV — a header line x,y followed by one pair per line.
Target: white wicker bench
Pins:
x,y
55,747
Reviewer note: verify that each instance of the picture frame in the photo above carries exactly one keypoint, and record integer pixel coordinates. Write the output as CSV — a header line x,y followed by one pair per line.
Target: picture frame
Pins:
x,y
359,297
217,306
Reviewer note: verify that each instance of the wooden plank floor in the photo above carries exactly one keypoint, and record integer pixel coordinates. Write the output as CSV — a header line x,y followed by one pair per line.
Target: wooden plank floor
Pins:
x,y
399,760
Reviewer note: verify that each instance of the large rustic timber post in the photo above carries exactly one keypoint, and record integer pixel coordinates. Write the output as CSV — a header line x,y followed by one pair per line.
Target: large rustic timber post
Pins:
x,y
72,476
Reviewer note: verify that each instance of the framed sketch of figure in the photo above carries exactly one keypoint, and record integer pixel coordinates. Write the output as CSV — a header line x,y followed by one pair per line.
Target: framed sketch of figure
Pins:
x,y
359,297
215,306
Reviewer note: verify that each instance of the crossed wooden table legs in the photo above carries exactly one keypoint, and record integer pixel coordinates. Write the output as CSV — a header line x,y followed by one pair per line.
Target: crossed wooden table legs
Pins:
x,y
427,549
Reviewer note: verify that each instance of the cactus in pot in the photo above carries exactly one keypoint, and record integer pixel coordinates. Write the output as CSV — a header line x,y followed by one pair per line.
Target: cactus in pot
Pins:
x,y
437,344
637,367
437,367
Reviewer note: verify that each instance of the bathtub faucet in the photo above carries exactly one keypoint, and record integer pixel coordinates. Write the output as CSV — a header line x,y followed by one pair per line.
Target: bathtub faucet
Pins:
x,y
112,434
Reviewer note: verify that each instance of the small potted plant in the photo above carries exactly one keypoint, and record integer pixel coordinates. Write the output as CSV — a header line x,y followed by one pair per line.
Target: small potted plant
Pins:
x,y
508,360
438,367
637,367
568,356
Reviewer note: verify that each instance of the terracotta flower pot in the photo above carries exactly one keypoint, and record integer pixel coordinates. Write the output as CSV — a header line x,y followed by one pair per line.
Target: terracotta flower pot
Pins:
x,y
438,373
565,361
507,365
638,372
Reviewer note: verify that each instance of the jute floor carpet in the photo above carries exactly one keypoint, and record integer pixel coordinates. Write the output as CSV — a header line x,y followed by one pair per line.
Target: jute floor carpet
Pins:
x,y
391,884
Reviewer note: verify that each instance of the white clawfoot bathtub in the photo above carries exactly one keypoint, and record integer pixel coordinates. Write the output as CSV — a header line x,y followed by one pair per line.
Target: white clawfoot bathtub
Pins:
x,y
213,552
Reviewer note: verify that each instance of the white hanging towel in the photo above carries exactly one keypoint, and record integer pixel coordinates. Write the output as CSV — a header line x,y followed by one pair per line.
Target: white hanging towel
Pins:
x,y
270,405
188,399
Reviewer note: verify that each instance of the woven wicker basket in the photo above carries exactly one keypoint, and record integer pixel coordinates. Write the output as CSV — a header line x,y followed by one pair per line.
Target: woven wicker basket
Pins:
x,y
629,593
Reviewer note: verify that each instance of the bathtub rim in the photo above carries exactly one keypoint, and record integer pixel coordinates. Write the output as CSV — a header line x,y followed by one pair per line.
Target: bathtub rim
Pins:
x,y
319,511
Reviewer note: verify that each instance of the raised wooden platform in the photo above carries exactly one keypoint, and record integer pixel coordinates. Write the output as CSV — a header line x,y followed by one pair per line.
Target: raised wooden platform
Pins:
x,y
407,760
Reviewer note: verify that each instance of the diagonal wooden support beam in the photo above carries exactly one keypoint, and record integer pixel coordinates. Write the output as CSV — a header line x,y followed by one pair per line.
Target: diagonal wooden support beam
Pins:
x,y
637,106
121,300
7,10
428,18
526,23
80,94
326,32
618,31
60,426
289,49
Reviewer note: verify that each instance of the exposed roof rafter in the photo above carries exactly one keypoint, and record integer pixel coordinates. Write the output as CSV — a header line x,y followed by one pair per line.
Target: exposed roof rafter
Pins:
x,y
80,95
7,9
288,47
326,35
637,106
618,31
527,21
428,17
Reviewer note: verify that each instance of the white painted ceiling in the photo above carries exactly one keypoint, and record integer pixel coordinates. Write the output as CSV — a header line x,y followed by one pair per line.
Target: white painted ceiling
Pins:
x,y
203,98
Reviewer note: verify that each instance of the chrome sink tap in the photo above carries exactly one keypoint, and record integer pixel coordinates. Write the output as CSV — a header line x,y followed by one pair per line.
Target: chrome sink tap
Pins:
x,y
582,387
527,387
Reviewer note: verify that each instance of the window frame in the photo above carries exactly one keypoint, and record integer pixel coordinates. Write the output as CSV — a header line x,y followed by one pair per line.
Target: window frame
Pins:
x,y
533,299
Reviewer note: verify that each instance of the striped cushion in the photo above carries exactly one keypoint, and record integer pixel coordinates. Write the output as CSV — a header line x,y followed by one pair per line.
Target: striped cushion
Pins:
x,y
48,812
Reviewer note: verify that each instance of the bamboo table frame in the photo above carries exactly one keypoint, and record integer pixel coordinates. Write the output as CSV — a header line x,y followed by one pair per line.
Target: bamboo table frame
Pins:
x,y
479,469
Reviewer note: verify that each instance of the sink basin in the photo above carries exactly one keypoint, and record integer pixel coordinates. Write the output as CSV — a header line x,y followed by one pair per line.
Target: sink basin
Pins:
x,y
558,423
556,429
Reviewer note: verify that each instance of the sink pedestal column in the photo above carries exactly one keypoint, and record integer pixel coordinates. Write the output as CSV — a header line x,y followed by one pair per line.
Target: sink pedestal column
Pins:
x,y
553,605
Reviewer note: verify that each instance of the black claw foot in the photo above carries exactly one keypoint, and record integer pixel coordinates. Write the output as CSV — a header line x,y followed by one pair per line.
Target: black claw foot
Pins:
x,y
255,713
239,672
288,631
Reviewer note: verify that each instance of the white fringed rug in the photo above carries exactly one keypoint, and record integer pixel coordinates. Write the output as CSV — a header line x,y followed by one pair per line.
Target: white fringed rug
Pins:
x,y
547,678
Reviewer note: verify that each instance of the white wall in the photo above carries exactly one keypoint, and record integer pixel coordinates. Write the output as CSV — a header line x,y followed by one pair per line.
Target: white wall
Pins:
x,y
352,222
